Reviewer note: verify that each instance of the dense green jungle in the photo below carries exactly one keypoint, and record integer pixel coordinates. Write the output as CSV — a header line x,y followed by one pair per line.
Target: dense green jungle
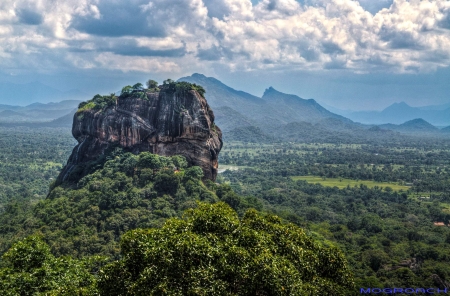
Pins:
x,y
276,220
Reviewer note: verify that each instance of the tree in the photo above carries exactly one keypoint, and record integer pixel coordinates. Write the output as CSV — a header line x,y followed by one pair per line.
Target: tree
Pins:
x,y
168,81
149,160
374,259
212,252
199,89
29,254
179,161
151,84
193,173
138,86
166,182
32,270
126,90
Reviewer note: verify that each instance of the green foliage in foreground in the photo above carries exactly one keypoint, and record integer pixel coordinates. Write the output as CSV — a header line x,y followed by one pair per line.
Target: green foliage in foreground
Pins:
x,y
32,270
126,192
212,252
208,252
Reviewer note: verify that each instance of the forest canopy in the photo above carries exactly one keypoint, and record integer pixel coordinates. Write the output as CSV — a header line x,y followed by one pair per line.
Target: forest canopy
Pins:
x,y
210,251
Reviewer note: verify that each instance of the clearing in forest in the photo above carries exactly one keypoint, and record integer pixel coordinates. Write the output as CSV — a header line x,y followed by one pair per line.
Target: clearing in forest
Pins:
x,y
342,183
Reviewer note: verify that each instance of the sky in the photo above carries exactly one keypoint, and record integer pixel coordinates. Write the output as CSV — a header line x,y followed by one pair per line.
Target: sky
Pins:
x,y
356,55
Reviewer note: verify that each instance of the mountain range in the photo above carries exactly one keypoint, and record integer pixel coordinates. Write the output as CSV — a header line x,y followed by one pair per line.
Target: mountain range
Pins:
x,y
37,112
397,113
274,108
274,116
287,117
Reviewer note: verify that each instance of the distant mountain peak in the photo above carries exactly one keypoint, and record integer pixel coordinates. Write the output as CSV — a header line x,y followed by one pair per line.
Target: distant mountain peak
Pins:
x,y
198,75
398,106
270,91
37,104
202,79
419,124
417,121
275,95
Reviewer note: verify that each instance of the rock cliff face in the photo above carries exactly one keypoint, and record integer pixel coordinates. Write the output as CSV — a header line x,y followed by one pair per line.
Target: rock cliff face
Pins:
x,y
164,122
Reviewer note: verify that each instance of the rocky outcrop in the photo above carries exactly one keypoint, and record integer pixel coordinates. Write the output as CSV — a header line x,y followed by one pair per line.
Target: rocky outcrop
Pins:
x,y
165,122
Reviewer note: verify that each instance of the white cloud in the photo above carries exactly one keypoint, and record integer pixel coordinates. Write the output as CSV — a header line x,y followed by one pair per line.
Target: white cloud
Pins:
x,y
408,36
139,64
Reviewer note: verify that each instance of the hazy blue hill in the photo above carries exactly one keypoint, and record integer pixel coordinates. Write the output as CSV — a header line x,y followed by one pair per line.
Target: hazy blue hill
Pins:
x,y
228,119
9,107
22,94
417,125
377,129
341,125
333,130
398,113
9,113
63,105
296,108
401,111
273,109
45,115
66,120
336,110
435,107
38,112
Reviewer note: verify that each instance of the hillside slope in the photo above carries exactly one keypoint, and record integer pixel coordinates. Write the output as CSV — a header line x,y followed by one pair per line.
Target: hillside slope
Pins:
x,y
273,109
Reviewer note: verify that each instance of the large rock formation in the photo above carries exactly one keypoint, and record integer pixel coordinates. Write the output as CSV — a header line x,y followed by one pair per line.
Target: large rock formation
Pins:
x,y
165,121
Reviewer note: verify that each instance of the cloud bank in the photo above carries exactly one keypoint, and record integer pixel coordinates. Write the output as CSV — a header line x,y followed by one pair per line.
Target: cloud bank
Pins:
x,y
180,35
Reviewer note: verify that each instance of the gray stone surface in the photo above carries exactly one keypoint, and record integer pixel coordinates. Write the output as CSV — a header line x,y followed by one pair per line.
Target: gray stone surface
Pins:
x,y
164,123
